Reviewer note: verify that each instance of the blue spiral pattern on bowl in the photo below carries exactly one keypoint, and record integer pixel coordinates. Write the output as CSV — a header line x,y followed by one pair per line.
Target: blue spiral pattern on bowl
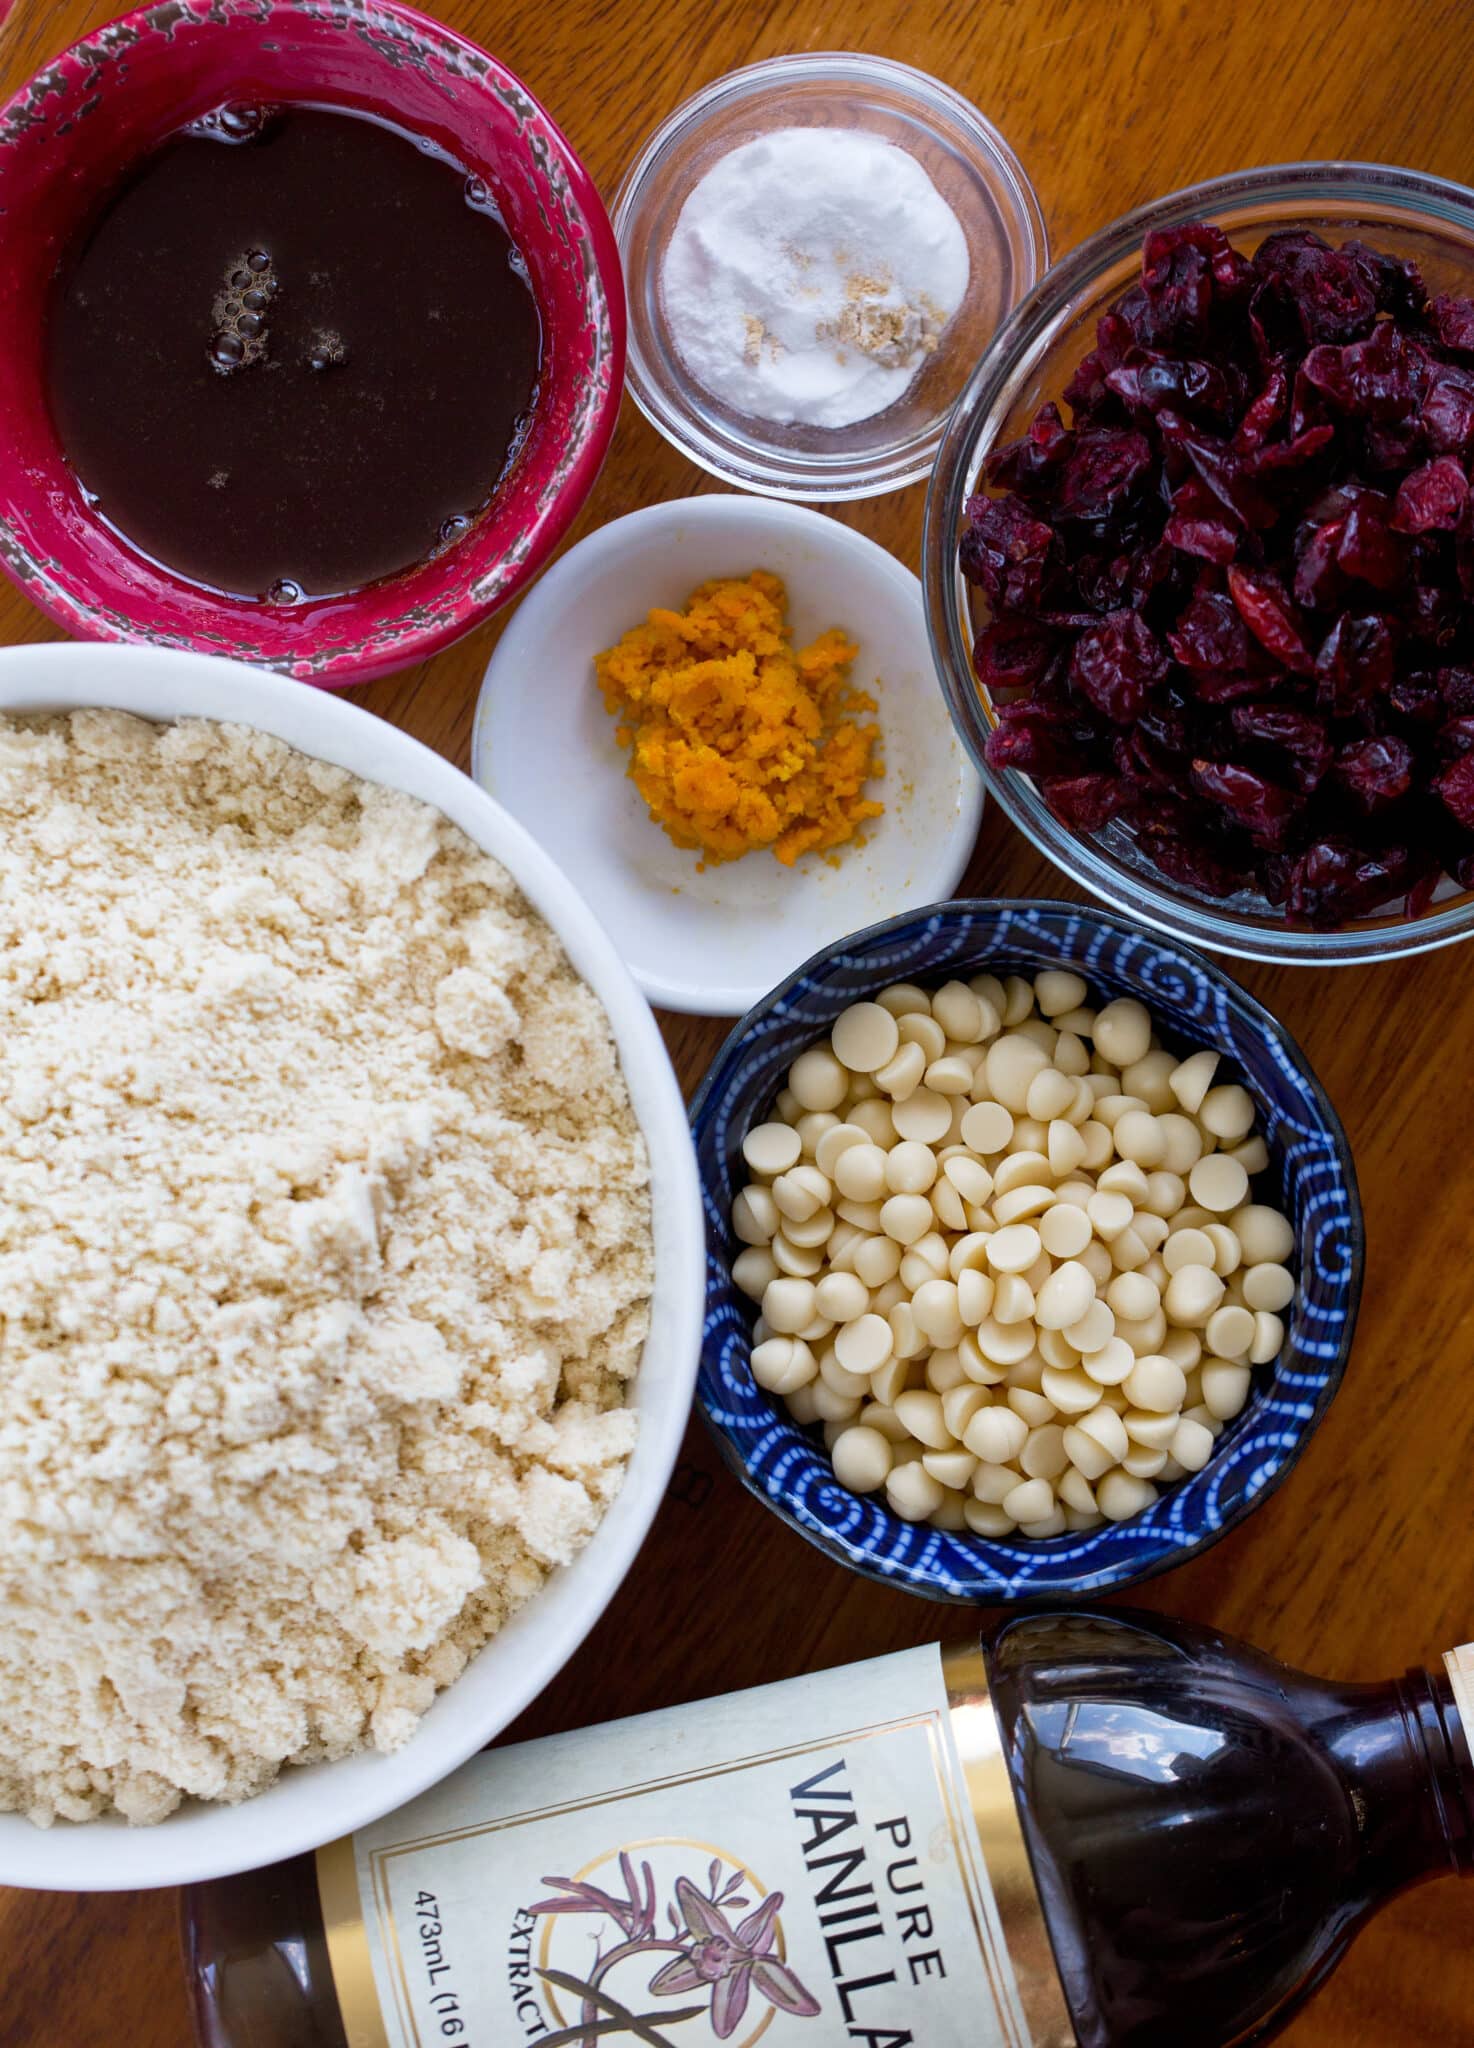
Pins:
x,y
1310,1176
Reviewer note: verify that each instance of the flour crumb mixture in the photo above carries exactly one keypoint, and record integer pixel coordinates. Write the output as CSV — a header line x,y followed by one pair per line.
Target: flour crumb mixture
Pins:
x,y
324,1261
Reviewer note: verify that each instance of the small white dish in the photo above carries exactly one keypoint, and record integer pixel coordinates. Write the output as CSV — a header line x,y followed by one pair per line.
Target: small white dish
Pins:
x,y
714,941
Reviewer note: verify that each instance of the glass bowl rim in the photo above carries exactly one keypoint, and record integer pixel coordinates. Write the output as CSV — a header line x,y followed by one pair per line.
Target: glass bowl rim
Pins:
x,y
785,473
1159,1551
1388,188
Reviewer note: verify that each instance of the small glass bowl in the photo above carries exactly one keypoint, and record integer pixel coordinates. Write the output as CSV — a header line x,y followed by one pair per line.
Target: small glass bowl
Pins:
x,y
971,166
1311,1176
1029,361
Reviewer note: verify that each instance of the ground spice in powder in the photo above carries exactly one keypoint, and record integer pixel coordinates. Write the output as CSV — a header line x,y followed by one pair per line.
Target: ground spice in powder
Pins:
x,y
736,742
324,1261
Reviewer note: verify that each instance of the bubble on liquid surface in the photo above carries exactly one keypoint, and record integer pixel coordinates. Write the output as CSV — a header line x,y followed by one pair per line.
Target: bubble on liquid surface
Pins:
x,y
285,591
241,121
327,350
237,121
258,260
248,324
452,529
227,353
254,300
478,192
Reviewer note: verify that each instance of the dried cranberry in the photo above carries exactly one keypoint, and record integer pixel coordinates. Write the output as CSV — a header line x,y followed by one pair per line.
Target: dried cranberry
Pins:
x,y
1211,638
1334,881
1394,444
1139,764
1180,269
1115,663
1416,697
1355,661
1191,863
1456,787
1103,467
1308,407
1030,465
1006,550
1464,550
1375,772
1318,579
1087,392
1270,616
1456,737
1452,320
1434,614
1148,380
1226,475
1198,525
1330,294
1262,807
1012,653
1152,571
1381,378
1299,735
1369,550
1034,748
1420,895
1264,415
1447,416
1319,882
1395,282
1085,801
1235,689
1431,497
1456,688
1289,454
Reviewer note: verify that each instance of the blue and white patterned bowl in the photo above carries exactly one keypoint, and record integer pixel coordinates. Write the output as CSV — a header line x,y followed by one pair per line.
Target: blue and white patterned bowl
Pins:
x,y
1310,1176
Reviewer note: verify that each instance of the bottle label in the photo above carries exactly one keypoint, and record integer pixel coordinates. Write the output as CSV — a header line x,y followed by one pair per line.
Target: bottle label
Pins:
x,y
835,1859
1460,1664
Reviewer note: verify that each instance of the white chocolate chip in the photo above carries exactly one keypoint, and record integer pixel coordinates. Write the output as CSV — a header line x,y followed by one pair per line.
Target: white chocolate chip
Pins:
x,y
1190,1081
772,1148
1218,1183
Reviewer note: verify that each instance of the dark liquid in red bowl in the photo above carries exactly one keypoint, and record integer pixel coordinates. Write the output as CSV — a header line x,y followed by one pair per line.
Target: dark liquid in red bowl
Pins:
x,y
293,354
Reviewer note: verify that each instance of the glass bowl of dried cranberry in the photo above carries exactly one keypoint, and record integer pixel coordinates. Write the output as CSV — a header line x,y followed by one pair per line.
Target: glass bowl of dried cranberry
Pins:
x,y
1200,563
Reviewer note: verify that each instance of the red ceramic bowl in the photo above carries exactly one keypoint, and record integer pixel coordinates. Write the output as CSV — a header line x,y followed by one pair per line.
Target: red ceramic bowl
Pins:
x,y
68,136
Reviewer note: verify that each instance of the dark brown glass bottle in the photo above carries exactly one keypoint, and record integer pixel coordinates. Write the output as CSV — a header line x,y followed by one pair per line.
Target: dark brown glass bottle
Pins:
x,y
1207,1830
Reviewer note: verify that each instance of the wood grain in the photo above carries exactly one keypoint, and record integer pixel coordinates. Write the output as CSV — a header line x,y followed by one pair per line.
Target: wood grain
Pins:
x,y
1361,1565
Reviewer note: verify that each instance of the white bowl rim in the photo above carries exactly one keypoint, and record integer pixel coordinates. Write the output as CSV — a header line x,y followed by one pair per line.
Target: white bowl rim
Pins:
x,y
954,847
319,1802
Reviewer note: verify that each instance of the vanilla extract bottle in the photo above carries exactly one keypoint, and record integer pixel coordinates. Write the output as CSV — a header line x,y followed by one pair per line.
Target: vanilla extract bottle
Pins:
x,y
1097,1828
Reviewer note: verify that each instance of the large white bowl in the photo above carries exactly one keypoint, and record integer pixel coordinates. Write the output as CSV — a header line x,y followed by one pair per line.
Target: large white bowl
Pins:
x,y
543,745
317,1802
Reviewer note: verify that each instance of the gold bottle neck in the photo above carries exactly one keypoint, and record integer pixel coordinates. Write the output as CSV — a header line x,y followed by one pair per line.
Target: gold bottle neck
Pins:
x,y
979,1739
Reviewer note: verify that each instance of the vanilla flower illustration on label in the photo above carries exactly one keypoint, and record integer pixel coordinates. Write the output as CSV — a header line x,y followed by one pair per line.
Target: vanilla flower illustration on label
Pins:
x,y
714,1962
796,1865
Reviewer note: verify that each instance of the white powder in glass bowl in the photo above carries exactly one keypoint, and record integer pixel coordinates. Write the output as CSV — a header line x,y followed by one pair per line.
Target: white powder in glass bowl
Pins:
x,y
325,1253
810,274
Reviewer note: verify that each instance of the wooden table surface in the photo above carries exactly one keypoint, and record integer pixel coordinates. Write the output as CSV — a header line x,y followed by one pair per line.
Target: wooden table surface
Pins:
x,y
1361,1565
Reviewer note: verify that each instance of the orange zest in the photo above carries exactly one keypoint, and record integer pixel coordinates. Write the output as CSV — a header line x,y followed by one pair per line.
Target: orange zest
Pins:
x,y
736,742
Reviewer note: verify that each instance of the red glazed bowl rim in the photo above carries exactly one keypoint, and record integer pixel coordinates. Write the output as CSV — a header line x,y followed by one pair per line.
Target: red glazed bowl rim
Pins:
x,y
346,640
